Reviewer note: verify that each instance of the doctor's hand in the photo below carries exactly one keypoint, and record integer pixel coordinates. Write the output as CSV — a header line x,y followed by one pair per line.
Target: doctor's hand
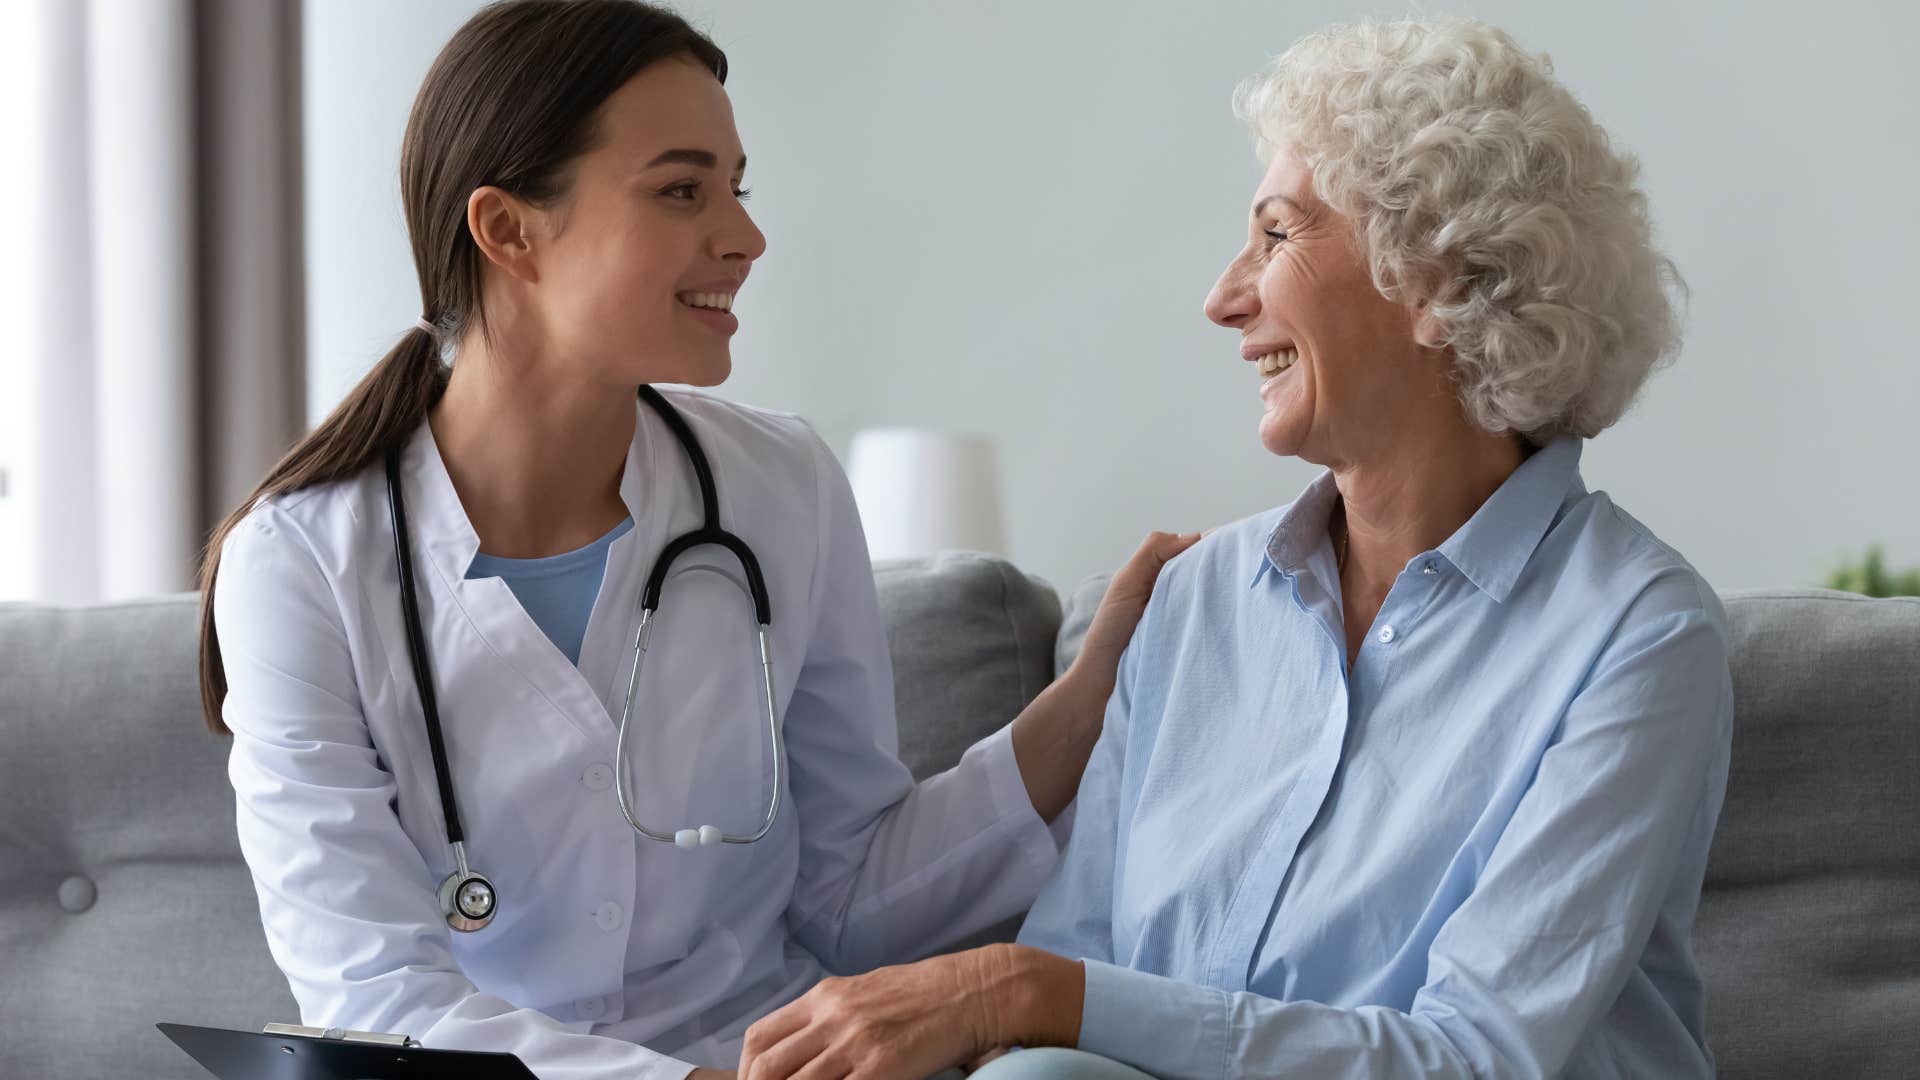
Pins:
x,y
1120,610
913,1020
1054,736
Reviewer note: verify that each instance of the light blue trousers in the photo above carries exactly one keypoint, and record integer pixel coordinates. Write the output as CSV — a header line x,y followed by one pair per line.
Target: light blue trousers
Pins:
x,y
1054,1063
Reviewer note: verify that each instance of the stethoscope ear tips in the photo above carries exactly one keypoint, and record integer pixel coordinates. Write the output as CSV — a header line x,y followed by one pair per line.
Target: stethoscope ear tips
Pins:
x,y
704,836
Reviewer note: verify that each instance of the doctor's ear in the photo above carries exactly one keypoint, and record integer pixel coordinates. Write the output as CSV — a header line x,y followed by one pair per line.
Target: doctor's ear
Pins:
x,y
499,224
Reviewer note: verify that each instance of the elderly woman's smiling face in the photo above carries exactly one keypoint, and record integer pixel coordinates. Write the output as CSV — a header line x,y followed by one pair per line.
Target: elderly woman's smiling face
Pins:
x,y
1341,369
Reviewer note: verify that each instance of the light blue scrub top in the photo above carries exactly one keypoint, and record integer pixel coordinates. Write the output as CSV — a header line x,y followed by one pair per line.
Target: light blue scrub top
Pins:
x,y
559,590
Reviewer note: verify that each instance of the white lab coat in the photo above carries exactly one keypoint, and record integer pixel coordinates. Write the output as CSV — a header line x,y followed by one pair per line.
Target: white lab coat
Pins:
x,y
612,955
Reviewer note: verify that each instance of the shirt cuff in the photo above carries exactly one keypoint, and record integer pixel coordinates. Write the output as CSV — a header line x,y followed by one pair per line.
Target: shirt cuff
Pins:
x,y
1128,1015
1012,808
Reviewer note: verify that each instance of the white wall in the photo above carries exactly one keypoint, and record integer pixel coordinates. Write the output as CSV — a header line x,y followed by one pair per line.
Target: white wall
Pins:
x,y
1002,218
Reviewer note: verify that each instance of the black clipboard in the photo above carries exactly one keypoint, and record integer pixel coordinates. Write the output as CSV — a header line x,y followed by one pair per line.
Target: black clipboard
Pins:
x,y
304,1054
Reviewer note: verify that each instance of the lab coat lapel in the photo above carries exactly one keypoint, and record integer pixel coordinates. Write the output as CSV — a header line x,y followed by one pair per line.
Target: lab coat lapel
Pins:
x,y
444,535
606,652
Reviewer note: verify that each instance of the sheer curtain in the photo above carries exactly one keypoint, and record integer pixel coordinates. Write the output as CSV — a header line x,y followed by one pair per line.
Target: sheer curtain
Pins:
x,y
159,364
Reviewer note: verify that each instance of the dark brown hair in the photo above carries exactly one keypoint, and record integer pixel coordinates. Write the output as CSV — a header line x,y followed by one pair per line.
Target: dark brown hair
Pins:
x,y
510,102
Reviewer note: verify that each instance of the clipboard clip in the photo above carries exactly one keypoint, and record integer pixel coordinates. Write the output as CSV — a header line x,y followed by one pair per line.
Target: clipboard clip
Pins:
x,y
371,1038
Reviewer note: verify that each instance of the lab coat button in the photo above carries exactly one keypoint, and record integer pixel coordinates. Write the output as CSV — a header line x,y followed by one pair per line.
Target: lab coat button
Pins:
x,y
598,777
590,1008
77,894
608,917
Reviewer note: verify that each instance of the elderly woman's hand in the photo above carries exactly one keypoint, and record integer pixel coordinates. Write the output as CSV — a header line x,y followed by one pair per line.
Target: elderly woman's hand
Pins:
x,y
915,1019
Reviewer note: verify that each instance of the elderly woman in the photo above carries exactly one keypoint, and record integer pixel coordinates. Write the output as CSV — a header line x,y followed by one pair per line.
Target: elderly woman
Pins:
x,y
1416,774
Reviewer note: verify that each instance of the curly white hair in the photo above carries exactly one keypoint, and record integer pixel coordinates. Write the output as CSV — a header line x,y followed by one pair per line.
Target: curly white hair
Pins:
x,y
1479,185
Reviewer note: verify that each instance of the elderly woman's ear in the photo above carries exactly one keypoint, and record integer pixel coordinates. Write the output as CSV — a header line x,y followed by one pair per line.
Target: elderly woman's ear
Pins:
x,y
1419,292
1429,330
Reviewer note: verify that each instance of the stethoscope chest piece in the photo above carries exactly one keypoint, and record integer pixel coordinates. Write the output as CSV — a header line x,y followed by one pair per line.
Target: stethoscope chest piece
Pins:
x,y
467,900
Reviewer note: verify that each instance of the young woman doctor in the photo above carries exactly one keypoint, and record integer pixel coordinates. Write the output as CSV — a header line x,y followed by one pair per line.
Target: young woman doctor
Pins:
x,y
475,544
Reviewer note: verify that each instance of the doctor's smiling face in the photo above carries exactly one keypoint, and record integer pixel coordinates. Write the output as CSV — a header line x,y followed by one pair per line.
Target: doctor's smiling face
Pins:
x,y
630,276
1341,370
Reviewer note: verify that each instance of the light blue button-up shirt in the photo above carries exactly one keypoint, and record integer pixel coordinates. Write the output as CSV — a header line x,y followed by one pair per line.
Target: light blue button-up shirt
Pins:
x,y
1477,854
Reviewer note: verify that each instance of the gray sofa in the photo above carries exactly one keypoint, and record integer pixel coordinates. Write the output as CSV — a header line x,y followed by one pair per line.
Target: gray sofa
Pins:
x,y
123,899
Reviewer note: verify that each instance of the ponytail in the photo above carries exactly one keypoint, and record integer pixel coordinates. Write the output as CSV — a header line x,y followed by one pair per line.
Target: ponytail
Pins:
x,y
379,416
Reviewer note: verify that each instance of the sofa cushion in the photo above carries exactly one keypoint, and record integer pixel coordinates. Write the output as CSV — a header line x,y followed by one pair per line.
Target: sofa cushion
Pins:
x,y
1809,931
123,897
972,643
1809,927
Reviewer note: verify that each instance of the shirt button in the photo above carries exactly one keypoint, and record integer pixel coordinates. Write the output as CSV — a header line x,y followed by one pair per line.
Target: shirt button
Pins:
x,y
608,917
598,777
590,1008
1429,569
1386,635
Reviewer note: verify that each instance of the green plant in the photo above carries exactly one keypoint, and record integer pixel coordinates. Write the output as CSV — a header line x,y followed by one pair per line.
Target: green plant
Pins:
x,y
1869,577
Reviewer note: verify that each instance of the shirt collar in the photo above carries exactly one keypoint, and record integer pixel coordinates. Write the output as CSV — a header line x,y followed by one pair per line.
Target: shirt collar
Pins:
x,y
1491,549
1301,529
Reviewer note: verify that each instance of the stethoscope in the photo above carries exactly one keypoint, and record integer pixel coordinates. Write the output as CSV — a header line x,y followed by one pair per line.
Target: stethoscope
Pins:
x,y
467,898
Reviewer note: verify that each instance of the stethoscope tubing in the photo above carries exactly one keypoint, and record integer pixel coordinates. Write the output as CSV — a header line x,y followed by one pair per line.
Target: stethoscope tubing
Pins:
x,y
417,652
467,897
621,775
